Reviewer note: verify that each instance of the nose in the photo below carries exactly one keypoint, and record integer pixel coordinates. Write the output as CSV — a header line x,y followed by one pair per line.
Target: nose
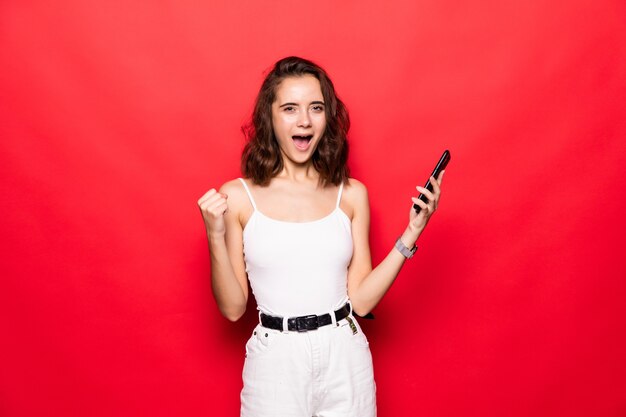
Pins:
x,y
304,120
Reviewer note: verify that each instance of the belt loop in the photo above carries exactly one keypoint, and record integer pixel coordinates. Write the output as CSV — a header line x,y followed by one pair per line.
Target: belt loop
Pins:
x,y
333,318
260,312
285,324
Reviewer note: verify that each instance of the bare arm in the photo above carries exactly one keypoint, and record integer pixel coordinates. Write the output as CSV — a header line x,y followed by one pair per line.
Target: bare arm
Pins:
x,y
367,286
225,235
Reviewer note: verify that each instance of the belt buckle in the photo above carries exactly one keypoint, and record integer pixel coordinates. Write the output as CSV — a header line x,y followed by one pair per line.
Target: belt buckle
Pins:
x,y
305,323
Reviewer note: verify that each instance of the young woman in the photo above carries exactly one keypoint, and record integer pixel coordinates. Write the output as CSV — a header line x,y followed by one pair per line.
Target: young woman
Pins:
x,y
296,227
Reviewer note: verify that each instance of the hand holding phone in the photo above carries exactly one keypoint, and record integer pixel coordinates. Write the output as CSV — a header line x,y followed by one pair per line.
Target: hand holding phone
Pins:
x,y
441,165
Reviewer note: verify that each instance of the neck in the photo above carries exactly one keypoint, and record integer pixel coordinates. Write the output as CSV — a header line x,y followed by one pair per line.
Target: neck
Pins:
x,y
299,172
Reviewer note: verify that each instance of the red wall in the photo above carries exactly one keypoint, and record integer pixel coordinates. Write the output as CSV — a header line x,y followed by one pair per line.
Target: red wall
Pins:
x,y
116,116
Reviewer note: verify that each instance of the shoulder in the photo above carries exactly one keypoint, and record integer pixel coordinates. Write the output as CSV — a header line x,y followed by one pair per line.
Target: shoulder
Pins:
x,y
233,186
355,190
237,196
355,201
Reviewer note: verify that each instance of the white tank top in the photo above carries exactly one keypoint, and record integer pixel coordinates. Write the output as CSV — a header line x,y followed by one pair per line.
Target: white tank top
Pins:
x,y
297,269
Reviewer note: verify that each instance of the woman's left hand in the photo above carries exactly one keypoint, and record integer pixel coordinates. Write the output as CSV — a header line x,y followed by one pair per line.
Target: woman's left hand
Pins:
x,y
418,221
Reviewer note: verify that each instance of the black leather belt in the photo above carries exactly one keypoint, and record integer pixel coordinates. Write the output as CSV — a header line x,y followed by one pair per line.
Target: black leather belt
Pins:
x,y
304,323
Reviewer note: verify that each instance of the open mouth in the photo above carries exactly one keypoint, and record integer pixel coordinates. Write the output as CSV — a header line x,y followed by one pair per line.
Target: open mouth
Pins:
x,y
302,141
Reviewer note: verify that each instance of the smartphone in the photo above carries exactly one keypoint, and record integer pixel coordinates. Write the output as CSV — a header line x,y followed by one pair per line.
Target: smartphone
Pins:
x,y
441,165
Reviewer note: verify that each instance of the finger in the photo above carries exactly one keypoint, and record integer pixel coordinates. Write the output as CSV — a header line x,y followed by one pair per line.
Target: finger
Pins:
x,y
218,209
206,196
437,184
221,209
429,195
208,200
211,202
423,206
432,204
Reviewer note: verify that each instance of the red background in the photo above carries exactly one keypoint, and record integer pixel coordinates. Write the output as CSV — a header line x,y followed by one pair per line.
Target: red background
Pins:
x,y
115,117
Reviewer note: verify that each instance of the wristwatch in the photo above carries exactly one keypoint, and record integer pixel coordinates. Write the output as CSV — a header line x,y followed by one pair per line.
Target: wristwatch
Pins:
x,y
408,253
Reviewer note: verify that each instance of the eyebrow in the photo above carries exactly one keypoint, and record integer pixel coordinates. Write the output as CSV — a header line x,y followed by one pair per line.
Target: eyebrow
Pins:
x,y
295,104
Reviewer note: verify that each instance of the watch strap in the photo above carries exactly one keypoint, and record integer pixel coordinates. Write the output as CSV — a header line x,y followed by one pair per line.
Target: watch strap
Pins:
x,y
408,253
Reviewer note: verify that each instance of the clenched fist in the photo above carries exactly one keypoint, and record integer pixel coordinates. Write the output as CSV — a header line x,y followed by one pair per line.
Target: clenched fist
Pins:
x,y
213,205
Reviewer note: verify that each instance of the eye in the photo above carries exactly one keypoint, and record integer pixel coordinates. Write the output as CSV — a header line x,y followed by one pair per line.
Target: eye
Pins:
x,y
289,109
318,108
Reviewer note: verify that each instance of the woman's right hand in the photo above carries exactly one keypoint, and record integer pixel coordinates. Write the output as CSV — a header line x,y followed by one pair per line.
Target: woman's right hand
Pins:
x,y
213,205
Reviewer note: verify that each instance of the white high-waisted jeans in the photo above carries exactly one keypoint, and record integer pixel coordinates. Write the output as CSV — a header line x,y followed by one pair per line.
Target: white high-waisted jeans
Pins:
x,y
321,373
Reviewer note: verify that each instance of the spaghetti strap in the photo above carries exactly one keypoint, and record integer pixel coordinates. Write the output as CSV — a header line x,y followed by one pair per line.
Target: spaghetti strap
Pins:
x,y
339,195
249,194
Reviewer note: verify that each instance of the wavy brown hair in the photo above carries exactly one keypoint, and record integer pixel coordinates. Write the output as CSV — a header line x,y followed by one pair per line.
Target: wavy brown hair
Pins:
x,y
261,159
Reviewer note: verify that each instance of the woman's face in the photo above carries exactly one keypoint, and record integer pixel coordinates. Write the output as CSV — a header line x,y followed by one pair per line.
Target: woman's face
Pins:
x,y
298,117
